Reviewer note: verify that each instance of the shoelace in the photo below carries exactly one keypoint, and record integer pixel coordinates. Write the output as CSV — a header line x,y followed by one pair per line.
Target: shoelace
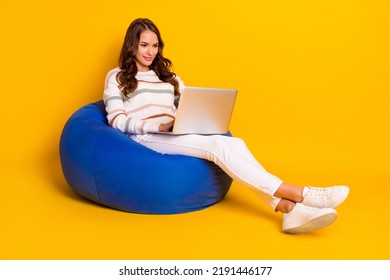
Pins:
x,y
317,192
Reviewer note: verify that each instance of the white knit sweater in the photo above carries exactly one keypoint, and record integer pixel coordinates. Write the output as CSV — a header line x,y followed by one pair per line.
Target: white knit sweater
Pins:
x,y
151,104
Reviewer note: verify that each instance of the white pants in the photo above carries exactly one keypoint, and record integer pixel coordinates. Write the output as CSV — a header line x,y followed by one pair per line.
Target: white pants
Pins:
x,y
229,153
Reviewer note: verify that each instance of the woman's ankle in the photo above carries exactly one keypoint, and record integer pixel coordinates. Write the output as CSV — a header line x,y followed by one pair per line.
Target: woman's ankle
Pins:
x,y
285,205
290,192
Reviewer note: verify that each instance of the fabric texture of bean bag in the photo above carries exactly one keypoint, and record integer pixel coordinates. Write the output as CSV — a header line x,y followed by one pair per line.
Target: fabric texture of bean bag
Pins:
x,y
102,164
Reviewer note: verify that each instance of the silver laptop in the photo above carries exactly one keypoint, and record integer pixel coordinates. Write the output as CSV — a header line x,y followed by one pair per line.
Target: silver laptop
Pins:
x,y
204,111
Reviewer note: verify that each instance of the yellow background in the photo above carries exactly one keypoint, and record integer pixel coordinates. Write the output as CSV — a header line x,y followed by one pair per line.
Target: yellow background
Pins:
x,y
313,106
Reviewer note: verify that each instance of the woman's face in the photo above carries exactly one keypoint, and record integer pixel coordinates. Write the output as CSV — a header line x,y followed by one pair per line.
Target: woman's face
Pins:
x,y
147,50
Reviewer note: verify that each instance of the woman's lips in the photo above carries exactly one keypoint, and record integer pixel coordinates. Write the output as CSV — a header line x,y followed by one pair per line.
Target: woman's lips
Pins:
x,y
148,58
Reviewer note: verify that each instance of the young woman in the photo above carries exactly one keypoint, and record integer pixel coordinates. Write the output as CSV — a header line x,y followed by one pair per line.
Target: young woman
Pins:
x,y
141,97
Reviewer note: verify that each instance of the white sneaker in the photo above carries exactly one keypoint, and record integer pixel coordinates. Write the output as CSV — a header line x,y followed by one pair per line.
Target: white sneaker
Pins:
x,y
304,218
324,197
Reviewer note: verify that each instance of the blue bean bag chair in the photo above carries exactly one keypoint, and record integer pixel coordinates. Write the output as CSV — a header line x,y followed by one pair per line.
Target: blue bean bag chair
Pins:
x,y
102,164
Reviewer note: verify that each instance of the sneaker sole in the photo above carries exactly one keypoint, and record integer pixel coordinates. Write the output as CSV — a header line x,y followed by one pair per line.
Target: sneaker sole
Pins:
x,y
316,223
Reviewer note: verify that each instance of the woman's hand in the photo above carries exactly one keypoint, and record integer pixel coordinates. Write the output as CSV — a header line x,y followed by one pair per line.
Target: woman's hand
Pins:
x,y
166,127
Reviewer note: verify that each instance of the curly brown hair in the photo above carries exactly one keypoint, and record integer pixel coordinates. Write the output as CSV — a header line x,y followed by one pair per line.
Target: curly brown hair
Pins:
x,y
160,65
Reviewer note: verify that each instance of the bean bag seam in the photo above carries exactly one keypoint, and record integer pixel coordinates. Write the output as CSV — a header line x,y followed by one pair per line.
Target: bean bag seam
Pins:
x,y
94,168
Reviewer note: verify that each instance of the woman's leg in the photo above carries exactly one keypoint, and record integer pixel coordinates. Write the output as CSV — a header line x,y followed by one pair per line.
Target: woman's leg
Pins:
x,y
304,209
229,153
290,192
